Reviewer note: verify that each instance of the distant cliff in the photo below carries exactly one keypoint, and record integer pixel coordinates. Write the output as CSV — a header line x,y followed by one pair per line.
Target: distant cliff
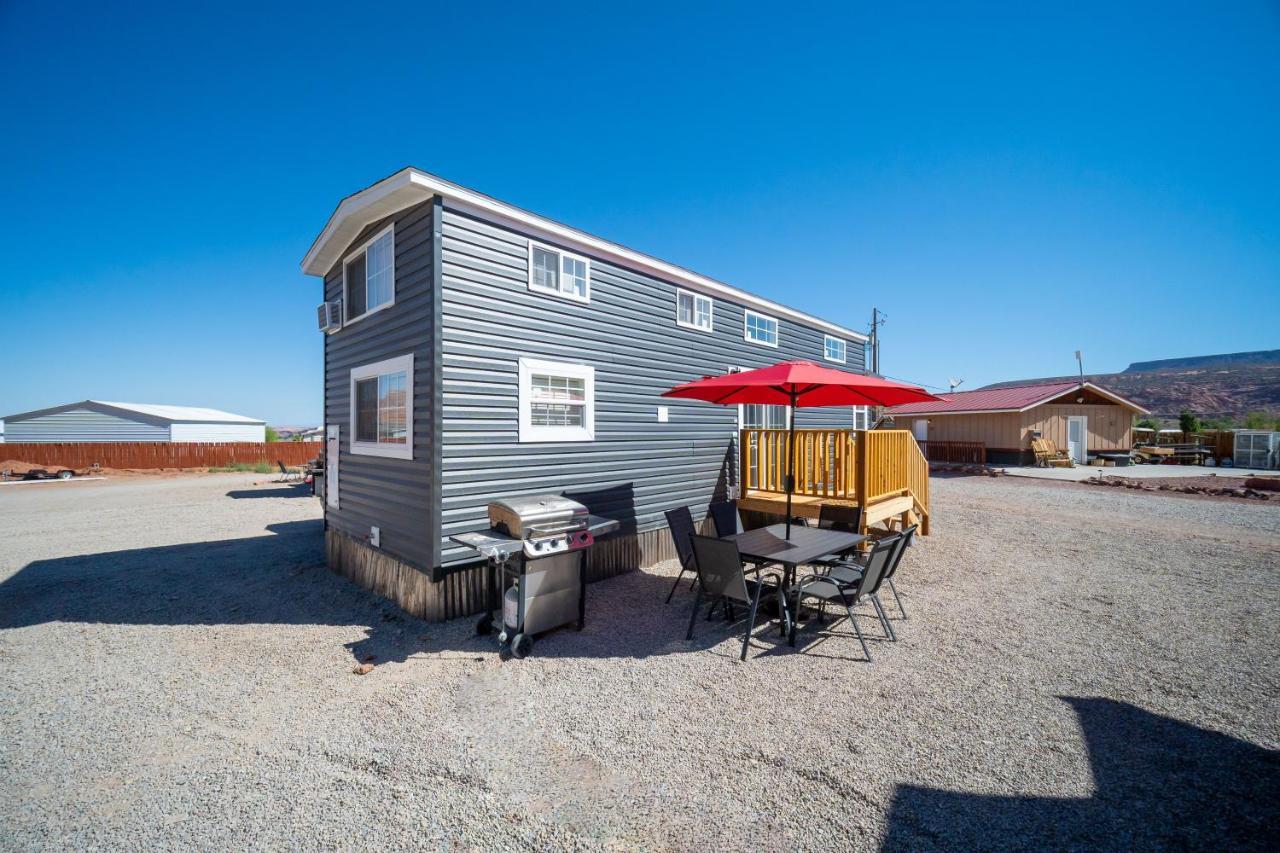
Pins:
x,y
1213,386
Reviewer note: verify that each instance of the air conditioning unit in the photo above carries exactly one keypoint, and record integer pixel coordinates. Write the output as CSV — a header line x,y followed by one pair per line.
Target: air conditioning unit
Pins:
x,y
329,315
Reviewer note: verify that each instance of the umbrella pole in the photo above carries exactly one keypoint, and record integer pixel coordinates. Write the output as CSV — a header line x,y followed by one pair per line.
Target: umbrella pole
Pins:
x,y
791,460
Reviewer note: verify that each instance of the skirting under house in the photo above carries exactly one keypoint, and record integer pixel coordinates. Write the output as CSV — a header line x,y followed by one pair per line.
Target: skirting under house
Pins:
x,y
460,592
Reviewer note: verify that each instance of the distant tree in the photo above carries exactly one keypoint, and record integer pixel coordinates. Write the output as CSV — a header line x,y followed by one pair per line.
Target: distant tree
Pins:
x,y
1147,423
1222,423
1188,422
272,435
1260,420
297,436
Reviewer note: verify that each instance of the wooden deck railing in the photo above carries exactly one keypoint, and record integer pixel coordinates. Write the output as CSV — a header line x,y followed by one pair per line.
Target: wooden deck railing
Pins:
x,y
865,467
967,452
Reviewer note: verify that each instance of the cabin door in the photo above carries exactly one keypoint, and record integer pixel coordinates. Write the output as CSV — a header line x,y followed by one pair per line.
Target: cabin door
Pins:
x,y
331,466
920,429
1077,435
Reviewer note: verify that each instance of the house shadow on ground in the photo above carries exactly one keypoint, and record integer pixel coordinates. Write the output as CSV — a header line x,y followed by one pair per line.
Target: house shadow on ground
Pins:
x,y
1160,784
280,578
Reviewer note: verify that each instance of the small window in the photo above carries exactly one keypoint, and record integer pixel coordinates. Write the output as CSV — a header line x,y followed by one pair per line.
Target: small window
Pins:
x,y
559,273
861,417
693,310
382,408
762,416
369,276
761,329
833,349
557,401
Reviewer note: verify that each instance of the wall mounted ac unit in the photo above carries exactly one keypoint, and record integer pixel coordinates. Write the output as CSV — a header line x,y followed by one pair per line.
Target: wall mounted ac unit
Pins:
x,y
329,315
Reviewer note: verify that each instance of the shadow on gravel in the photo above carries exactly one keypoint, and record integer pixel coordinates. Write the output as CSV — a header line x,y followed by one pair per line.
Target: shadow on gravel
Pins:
x,y
301,490
280,578
1160,784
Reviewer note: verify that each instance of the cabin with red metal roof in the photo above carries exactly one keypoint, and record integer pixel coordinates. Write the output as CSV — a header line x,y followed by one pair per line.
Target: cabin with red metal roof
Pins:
x,y
998,424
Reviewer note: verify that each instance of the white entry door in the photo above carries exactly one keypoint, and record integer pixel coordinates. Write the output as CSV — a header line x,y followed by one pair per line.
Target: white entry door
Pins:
x,y
920,429
1077,438
331,466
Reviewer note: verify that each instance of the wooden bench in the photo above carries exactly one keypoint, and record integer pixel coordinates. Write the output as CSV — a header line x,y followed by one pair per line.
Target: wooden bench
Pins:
x,y
1048,455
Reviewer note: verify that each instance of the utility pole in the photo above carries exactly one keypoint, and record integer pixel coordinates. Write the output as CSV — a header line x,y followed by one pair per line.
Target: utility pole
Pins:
x,y
877,320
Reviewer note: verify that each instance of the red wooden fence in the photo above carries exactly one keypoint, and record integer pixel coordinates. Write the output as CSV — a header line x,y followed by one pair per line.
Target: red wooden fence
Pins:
x,y
157,454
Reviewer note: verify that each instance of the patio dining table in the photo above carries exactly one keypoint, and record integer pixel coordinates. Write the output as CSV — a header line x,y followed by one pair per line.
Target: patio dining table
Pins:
x,y
770,545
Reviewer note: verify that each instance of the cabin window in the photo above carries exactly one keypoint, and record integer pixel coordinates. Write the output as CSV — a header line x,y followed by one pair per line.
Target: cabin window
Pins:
x,y
369,276
861,417
693,310
557,401
761,329
559,273
382,408
833,349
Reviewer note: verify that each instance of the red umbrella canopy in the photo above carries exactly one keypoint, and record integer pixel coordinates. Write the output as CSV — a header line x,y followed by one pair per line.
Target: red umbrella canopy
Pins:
x,y
811,384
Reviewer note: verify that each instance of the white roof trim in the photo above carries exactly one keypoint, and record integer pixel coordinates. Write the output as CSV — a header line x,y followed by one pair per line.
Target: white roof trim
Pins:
x,y
410,186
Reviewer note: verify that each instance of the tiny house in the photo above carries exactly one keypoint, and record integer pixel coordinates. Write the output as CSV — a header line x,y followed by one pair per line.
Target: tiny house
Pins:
x,y
1079,417
474,350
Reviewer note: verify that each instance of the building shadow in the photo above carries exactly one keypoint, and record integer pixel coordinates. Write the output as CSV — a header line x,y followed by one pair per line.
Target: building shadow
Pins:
x,y
291,490
1160,784
280,578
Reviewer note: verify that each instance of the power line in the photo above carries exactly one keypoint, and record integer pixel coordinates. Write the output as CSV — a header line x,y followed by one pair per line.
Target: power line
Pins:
x,y
914,382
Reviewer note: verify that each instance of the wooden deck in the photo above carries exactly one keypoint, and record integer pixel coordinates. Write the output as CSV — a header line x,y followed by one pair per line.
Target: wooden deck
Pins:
x,y
881,471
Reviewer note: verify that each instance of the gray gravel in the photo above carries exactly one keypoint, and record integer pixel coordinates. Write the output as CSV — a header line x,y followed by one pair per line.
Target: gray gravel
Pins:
x,y
1081,668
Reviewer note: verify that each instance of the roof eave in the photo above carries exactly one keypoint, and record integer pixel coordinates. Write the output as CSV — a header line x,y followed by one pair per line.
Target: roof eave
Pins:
x,y
410,186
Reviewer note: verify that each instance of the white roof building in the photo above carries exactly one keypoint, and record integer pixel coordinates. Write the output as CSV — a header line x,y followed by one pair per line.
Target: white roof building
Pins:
x,y
101,420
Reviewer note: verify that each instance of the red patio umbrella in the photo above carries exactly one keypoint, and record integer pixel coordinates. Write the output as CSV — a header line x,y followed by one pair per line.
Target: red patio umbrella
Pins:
x,y
799,384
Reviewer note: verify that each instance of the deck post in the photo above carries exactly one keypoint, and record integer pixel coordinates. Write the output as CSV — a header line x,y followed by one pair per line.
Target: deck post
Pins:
x,y
860,457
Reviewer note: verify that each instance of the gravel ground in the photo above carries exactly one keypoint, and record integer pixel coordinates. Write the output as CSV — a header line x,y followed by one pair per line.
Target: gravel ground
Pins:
x,y
1081,668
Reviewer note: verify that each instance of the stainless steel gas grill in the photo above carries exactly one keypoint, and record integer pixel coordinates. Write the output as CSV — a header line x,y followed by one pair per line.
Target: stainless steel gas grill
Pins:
x,y
536,548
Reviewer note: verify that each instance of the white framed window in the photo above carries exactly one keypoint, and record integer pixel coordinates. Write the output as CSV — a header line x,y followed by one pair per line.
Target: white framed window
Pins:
x,y
861,417
760,329
694,311
833,349
369,276
557,401
382,408
763,416
559,273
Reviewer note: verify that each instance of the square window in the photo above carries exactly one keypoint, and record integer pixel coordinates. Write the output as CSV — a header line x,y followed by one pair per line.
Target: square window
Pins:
x,y
557,401
834,349
559,273
761,329
382,408
693,310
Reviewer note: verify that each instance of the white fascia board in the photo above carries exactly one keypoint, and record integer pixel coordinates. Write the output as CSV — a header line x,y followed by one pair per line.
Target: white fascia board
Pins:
x,y
411,186
1101,392
891,413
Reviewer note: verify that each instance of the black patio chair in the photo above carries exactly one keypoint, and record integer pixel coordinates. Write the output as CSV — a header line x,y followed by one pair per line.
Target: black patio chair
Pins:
x,y
828,590
725,517
848,571
287,476
680,523
722,578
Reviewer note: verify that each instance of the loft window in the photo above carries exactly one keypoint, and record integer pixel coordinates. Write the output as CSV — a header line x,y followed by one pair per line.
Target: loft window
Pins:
x,y
559,273
760,329
369,275
693,310
382,408
833,349
557,401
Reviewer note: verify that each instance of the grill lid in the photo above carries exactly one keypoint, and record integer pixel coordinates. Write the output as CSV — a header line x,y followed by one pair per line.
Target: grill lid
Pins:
x,y
520,516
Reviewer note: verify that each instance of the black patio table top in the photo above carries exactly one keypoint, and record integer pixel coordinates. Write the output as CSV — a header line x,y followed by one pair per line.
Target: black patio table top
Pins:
x,y
769,544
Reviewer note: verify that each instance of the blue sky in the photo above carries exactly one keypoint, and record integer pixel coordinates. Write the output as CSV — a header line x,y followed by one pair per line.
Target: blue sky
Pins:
x,y
1007,184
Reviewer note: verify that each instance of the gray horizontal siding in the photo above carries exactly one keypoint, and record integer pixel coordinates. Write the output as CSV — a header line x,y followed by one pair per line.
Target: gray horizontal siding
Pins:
x,y
636,468
393,494
83,425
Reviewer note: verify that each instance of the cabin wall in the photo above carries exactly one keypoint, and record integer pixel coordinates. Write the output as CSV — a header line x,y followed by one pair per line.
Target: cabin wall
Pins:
x,y
636,467
396,495
1110,427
